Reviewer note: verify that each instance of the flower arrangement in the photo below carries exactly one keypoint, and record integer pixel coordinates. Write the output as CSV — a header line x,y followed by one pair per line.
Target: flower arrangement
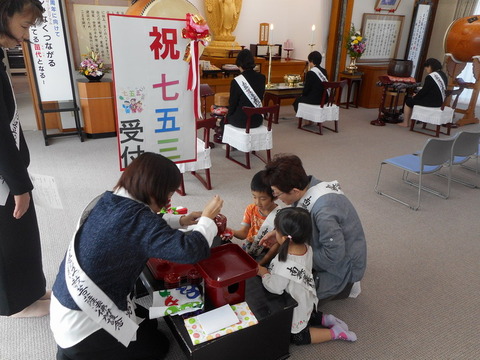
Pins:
x,y
93,65
355,43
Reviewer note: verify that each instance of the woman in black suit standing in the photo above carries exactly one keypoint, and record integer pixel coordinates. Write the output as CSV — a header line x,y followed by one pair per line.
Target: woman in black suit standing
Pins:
x,y
313,87
22,282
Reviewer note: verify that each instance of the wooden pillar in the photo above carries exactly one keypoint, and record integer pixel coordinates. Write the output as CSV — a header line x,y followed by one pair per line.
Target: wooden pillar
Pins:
x,y
340,23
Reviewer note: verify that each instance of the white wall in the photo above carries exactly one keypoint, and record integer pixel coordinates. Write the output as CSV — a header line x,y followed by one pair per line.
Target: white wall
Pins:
x,y
443,19
292,20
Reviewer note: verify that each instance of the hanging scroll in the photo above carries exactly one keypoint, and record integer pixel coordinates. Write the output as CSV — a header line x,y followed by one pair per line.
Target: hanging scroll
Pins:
x,y
420,33
383,36
417,35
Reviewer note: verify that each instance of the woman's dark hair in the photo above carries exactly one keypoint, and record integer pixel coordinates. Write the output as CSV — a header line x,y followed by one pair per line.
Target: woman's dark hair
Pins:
x,y
8,8
245,60
150,177
433,63
315,57
258,184
286,172
296,224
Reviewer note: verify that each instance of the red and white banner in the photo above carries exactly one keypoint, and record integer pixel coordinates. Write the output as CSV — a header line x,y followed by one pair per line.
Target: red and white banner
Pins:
x,y
153,106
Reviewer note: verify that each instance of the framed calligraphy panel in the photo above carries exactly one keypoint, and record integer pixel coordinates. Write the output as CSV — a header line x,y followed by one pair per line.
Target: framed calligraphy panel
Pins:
x,y
92,28
383,37
88,26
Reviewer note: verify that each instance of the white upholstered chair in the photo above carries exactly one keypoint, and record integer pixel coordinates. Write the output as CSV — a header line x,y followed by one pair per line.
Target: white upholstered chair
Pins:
x,y
436,116
251,140
203,161
328,110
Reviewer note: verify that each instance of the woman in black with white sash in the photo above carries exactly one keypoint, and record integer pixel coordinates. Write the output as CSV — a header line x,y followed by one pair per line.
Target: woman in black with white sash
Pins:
x,y
432,93
314,79
247,89
22,282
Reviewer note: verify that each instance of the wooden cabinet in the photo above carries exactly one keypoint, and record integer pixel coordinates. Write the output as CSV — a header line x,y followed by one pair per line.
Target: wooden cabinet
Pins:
x,y
370,94
96,102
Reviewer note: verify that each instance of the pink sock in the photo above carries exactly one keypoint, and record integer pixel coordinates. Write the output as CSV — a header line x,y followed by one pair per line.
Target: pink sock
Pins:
x,y
329,321
341,334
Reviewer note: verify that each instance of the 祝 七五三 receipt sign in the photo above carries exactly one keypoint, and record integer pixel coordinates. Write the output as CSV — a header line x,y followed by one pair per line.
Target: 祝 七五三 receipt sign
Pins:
x,y
154,108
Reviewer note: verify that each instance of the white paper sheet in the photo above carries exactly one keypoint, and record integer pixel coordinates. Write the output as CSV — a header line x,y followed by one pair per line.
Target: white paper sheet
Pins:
x,y
4,191
217,319
45,192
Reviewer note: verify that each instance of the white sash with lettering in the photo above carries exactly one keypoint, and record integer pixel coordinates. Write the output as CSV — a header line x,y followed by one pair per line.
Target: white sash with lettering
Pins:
x,y
92,300
315,192
440,83
321,76
268,225
15,128
248,91
295,272
319,73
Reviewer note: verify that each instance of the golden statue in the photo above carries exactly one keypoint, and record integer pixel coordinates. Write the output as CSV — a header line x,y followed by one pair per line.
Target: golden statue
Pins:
x,y
222,18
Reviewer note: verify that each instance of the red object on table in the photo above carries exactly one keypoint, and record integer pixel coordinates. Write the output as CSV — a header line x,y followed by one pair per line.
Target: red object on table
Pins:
x,y
221,222
225,272
408,80
387,81
168,271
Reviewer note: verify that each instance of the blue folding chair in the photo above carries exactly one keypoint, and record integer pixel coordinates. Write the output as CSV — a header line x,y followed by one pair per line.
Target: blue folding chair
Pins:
x,y
476,169
435,154
465,147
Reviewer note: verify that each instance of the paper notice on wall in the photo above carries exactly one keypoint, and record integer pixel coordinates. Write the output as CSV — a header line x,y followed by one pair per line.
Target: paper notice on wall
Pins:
x,y
45,191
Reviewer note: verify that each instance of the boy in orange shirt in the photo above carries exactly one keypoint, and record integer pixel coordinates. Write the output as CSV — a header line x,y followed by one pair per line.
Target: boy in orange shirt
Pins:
x,y
258,217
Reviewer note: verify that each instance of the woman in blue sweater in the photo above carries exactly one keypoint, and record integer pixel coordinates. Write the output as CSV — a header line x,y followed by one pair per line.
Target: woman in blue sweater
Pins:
x,y
92,312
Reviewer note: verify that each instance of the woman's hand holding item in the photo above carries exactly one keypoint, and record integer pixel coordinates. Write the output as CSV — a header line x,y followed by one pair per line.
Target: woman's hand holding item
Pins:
x,y
213,207
190,219
22,202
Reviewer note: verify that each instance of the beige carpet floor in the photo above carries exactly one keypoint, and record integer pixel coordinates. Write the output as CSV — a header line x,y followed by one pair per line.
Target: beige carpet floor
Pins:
x,y
420,292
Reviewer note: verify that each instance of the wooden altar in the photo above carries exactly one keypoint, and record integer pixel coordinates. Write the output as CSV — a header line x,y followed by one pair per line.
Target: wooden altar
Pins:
x,y
279,69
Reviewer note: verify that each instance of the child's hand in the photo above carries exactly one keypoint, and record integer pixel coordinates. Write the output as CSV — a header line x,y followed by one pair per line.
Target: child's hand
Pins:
x,y
227,234
261,270
269,239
